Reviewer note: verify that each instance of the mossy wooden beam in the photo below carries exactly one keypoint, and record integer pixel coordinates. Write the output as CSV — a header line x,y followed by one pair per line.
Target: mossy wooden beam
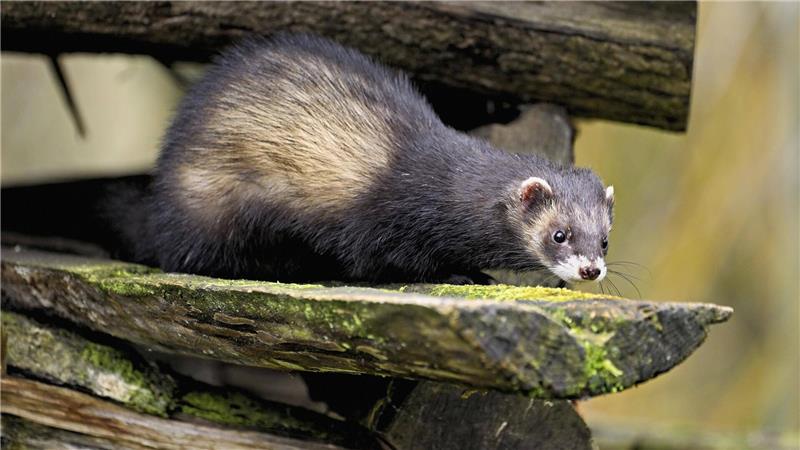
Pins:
x,y
47,352
65,358
628,61
471,419
551,343
118,427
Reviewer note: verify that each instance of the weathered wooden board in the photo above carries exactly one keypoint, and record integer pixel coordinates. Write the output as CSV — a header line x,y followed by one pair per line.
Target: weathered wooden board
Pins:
x,y
463,419
118,427
455,419
626,61
18,433
44,351
545,342
65,358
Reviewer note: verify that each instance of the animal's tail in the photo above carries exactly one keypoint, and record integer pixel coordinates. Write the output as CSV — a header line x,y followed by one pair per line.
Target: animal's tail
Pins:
x,y
125,211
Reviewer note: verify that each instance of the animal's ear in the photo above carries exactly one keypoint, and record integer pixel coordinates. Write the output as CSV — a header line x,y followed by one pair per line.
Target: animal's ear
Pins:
x,y
533,190
610,195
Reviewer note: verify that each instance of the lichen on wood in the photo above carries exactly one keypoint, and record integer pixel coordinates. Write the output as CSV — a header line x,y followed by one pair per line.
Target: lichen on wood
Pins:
x,y
47,352
66,358
112,426
234,408
502,292
577,346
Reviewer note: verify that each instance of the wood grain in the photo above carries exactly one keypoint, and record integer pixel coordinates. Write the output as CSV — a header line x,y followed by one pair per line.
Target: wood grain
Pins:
x,y
547,343
628,61
65,409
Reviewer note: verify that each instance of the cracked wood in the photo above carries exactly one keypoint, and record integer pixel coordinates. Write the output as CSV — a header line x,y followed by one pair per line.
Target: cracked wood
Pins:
x,y
549,343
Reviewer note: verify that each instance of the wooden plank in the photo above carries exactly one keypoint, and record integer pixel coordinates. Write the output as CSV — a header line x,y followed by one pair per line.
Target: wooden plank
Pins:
x,y
550,343
457,419
64,357
18,433
464,419
68,410
627,61
57,355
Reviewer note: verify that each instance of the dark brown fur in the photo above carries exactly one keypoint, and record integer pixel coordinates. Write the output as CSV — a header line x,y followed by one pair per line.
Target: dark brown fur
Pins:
x,y
296,159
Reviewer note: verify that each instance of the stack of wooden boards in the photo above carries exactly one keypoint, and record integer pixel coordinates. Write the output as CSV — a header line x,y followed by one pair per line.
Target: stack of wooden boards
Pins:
x,y
455,366
536,343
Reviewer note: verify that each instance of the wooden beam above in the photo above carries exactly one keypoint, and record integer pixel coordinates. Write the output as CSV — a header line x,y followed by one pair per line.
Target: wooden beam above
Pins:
x,y
629,62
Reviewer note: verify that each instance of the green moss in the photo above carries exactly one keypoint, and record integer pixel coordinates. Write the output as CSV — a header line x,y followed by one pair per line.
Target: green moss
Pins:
x,y
250,299
210,296
219,408
141,391
208,282
502,292
538,392
116,278
601,375
69,359
560,316
127,280
233,408
380,331
128,288
279,302
109,270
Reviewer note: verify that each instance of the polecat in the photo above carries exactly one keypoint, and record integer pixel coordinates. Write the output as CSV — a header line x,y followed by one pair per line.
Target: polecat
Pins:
x,y
297,159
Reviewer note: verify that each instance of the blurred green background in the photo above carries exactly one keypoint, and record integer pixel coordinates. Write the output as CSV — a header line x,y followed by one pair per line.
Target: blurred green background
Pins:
x,y
711,214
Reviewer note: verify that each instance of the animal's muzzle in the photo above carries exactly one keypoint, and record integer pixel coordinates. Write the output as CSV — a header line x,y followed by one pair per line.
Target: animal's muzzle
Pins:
x,y
589,273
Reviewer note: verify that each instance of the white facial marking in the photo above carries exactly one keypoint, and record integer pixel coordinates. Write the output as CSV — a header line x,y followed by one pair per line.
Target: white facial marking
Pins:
x,y
610,193
600,263
569,270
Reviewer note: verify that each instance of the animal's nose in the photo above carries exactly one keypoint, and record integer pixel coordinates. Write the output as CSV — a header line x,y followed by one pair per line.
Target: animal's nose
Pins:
x,y
589,273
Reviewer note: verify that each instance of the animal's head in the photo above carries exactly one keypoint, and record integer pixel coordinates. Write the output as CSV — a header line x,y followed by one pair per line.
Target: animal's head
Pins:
x,y
566,225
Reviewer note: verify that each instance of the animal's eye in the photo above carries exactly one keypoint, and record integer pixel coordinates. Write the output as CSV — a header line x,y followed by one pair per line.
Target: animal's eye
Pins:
x,y
559,237
604,243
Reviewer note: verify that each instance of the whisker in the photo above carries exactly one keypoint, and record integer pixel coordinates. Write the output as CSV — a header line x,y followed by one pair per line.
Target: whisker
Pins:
x,y
625,261
624,277
619,294
625,274
632,264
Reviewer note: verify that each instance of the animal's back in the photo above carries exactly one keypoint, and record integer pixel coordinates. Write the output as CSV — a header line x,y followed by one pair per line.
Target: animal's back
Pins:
x,y
298,159
269,149
297,120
